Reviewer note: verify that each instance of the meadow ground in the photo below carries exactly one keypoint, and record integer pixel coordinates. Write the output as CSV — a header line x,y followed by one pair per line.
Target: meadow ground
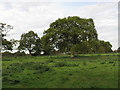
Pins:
x,y
83,71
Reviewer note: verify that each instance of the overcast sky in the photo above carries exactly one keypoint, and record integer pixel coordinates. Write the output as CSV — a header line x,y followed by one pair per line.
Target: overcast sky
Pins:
x,y
37,16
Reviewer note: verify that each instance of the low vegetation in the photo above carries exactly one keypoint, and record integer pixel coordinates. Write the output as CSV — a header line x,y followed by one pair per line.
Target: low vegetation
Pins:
x,y
83,71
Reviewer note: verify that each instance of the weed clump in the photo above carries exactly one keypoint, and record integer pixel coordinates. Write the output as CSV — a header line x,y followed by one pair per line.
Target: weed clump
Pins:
x,y
49,61
73,65
5,79
111,62
84,63
93,67
61,64
103,63
14,81
41,69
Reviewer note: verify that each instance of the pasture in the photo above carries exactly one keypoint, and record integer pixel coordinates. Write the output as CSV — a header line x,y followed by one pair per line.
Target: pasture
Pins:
x,y
61,71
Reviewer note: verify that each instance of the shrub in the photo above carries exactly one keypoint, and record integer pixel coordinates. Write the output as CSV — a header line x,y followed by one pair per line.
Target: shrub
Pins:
x,y
7,54
19,53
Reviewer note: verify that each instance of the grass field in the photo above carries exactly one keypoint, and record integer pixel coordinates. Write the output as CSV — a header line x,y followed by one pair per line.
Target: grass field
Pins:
x,y
84,71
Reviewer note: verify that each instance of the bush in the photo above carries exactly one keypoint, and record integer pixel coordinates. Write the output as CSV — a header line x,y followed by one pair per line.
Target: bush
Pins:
x,y
19,53
7,54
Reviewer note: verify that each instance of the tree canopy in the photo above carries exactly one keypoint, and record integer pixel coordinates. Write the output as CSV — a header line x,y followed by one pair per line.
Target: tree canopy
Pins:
x,y
72,35
4,29
31,42
66,33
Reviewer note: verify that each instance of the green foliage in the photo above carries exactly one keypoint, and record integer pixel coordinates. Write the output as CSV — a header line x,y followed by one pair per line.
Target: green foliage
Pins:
x,y
4,29
73,35
46,45
19,53
7,45
65,33
105,47
31,42
6,54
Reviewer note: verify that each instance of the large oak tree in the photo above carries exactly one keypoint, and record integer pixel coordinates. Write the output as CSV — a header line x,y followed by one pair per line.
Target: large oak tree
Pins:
x,y
73,35
66,33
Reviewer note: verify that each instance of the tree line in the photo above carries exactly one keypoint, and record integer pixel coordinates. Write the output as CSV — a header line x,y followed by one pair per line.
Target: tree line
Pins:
x,y
71,35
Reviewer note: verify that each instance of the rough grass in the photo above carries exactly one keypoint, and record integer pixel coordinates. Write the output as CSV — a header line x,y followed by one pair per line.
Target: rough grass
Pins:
x,y
84,71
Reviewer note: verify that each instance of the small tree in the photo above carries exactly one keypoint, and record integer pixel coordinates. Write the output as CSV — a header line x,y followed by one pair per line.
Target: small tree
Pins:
x,y
4,29
31,42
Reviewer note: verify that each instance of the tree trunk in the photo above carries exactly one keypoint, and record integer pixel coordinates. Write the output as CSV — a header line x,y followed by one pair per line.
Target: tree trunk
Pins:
x,y
30,52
